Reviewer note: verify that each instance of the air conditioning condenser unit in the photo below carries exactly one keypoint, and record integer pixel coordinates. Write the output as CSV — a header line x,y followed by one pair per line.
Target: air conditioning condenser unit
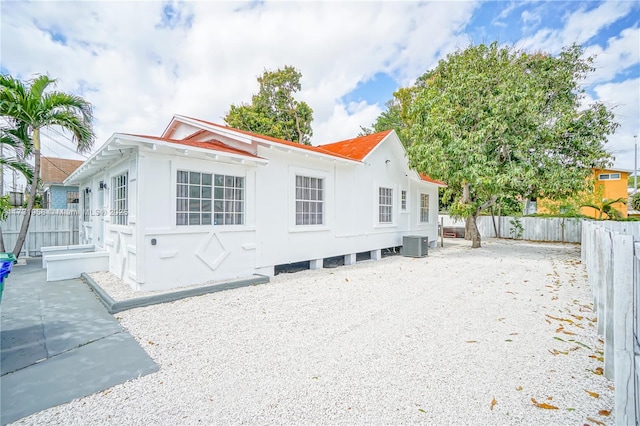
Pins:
x,y
415,246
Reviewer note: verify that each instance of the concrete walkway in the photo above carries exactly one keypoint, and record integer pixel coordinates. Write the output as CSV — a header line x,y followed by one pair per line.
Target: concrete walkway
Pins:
x,y
59,343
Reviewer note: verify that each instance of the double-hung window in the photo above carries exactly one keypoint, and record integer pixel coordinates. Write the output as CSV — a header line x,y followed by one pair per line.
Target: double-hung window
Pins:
x,y
206,198
309,200
385,205
193,198
424,208
403,201
119,202
86,205
228,200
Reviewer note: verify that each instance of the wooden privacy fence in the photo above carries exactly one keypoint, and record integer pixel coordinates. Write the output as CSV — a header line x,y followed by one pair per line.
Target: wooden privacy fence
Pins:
x,y
552,229
611,254
48,227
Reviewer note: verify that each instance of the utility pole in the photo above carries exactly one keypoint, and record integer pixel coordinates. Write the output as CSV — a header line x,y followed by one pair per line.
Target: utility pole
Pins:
x,y
635,164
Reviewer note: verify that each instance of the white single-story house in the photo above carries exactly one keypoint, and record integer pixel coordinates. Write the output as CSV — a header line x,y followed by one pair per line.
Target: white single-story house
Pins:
x,y
205,202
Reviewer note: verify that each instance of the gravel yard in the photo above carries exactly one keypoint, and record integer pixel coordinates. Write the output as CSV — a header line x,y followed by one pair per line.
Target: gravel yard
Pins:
x,y
460,337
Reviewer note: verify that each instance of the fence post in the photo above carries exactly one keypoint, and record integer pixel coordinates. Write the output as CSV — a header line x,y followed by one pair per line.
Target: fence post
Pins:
x,y
605,316
623,252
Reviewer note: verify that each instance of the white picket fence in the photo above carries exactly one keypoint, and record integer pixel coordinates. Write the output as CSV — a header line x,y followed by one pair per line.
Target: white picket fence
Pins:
x,y
48,227
611,254
554,229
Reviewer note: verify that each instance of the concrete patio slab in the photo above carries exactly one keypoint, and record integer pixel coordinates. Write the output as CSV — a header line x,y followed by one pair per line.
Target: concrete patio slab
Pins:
x,y
58,343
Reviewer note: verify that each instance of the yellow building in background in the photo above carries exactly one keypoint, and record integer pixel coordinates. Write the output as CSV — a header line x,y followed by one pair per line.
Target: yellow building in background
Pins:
x,y
609,184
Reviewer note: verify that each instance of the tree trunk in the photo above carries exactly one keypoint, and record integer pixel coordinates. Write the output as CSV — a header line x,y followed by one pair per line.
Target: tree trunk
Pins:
x,y
493,219
475,234
32,195
466,198
1,240
467,228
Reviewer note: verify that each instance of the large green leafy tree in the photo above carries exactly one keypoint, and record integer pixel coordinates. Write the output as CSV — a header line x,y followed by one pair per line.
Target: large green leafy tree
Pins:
x,y
28,107
273,110
395,116
494,121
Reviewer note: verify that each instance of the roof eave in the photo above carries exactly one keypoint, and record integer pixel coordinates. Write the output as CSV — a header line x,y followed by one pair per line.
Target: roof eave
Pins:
x,y
326,156
112,150
108,153
242,137
222,130
154,143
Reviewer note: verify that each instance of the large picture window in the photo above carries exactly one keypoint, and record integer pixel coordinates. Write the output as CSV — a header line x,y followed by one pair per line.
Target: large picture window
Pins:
x,y
309,201
205,199
424,208
119,204
385,207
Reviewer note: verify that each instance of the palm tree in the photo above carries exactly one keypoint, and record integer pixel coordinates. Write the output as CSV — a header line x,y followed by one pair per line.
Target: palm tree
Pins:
x,y
17,139
606,208
26,106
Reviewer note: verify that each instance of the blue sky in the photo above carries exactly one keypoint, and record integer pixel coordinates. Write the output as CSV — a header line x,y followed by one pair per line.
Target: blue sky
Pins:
x,y
141,62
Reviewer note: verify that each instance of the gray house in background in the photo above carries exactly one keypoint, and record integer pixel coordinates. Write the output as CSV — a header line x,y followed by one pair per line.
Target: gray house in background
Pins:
x,y
53,172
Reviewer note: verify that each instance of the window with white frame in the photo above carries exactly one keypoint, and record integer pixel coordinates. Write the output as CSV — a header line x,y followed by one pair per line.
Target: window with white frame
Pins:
x,y
309,200
193,198
385,205
205,199
119,203
403,200
424,208
609,176
73,197
86,205
228,200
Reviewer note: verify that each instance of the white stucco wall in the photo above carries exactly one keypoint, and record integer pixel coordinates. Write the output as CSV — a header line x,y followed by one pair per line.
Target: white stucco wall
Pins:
x,y
351,206
152,253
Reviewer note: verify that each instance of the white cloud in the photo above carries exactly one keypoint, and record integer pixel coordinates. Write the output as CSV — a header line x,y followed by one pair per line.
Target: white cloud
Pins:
x,y
624,98
344,122
621,53
530,19
140,72
580,26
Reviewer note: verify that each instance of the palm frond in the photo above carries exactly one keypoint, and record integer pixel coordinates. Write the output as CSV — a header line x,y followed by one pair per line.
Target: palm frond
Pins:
x,y
18,165
18,139
81,130
7,82
39,85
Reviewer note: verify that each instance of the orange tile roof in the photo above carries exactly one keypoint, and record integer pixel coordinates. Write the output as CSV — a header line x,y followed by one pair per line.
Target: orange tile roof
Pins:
x,y
312,148
212,145
356,148
428,179
56,170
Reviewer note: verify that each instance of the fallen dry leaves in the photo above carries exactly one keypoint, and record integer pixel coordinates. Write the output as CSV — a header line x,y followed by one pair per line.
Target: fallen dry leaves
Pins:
x,y
598,422
593,394
493,403
543,405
